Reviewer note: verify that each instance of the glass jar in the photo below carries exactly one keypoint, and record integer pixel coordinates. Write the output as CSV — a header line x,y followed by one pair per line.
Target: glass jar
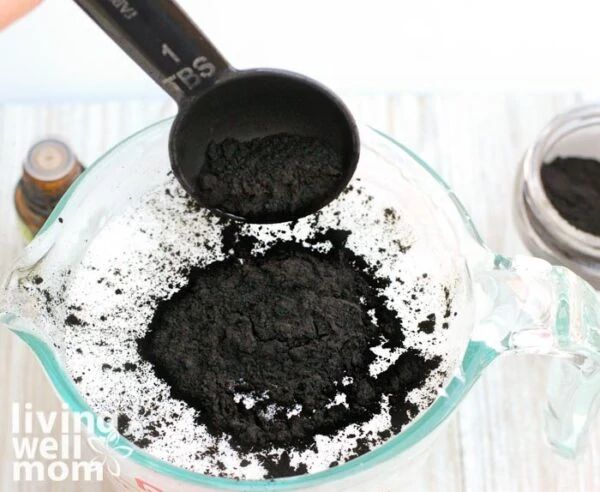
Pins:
x,y
575,133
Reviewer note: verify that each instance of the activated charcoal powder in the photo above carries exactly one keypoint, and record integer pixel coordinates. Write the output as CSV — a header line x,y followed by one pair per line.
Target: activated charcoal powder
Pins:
x,y
270,177
254,351
275,349
572,185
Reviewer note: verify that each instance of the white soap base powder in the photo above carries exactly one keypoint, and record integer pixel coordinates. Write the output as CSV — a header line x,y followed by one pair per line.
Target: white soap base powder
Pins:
x,y
143,255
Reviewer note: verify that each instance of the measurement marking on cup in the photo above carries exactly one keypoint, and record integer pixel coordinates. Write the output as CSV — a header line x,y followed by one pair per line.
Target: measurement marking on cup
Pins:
x,y
192,76
166,51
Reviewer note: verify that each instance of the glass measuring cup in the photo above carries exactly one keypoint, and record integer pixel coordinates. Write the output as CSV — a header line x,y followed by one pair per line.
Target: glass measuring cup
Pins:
x,y
503,306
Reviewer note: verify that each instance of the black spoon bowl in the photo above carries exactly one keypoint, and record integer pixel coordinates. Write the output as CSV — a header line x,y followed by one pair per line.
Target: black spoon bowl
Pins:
x,y
217,102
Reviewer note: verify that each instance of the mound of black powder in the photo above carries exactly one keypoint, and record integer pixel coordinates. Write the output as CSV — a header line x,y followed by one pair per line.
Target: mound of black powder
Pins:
x,y
269,177
262,345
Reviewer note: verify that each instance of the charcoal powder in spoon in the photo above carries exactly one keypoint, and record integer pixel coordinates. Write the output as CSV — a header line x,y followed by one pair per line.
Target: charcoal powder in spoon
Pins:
x,y
264,178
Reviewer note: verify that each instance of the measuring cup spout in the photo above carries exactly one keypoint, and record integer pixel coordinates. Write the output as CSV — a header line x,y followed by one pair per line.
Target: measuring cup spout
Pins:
x,y
526,305
7,306
17,313
5,315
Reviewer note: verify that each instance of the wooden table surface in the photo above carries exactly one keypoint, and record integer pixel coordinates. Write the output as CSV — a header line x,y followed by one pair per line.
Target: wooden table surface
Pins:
x,y
474,141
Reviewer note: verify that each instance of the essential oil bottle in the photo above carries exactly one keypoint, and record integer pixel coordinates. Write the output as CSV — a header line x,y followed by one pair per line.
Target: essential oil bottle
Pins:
x,y
49,169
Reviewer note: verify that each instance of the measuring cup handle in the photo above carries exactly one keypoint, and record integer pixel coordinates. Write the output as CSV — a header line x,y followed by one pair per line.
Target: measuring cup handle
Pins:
x,y
162,40
533,307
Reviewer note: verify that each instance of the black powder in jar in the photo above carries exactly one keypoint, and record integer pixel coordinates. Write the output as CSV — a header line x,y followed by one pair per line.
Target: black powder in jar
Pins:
x,y
572,185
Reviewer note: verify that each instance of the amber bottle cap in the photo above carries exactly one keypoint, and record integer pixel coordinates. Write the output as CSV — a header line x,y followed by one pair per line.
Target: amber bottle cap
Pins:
x,y
49,160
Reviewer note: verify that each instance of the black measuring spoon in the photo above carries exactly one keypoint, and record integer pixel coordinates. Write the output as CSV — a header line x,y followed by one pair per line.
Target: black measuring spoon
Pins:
x,y
217,102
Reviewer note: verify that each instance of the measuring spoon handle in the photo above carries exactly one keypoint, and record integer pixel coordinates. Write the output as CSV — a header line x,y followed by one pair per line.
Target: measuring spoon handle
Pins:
x,y
163,40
